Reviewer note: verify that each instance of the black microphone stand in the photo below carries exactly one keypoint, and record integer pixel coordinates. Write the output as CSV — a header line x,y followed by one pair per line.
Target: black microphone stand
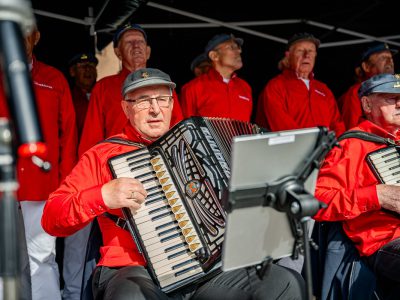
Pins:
x,y
16,18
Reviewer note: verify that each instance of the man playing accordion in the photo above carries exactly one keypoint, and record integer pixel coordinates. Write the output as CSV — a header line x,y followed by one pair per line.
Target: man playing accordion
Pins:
x,y
90,191
360,180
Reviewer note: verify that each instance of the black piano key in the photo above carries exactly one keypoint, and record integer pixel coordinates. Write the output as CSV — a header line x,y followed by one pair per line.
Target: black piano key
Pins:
x,y
137,156
136,162
173,229
180,273
140,167
145,174
151,201
156,210
172,248
149,180
158,188
391,159
179,253
172,236
165,225
394,167
180,265
161,216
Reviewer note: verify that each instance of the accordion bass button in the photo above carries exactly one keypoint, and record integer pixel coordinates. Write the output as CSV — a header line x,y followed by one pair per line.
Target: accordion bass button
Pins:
x,y
175,209
172,201
194,247
160,174
167,187
154,160
186,231
169,194
183,223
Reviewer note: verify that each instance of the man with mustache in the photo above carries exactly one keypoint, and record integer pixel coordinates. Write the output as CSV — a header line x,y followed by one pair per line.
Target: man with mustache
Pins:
x,y
376,59
90,190
368,209
295,99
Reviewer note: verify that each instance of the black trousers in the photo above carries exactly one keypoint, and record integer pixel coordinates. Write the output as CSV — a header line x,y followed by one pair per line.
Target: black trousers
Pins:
x,y
386,265
135,283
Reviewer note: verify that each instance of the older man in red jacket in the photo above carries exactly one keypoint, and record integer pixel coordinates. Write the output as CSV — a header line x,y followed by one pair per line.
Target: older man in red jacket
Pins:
x,y
295,99
219,92
105,116
57,117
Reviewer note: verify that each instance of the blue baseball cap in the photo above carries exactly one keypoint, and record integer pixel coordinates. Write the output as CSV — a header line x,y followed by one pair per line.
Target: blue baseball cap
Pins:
x,y
219,39
302,36
124,28
82,58
376,48
198,60
382,83
146,77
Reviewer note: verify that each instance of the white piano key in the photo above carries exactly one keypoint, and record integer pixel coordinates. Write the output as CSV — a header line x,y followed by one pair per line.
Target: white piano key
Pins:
x,y
156,249
385,159
167,265
157,239
160,233
170,278
164,255
146,227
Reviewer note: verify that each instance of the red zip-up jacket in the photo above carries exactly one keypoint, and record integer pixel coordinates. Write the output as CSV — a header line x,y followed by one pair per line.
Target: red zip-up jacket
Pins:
x,y
209,96
348,185
351,107
105,116
285,103
78,201
57,121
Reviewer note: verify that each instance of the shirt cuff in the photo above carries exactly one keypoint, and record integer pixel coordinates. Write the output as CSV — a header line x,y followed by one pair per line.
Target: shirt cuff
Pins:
x,y
95,205
367,198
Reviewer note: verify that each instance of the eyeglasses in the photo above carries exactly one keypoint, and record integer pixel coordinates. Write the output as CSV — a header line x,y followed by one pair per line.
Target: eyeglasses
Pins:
x,y
232,47
146,102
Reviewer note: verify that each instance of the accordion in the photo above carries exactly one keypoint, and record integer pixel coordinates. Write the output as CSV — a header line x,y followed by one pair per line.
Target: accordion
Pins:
x,y
180,226
385,163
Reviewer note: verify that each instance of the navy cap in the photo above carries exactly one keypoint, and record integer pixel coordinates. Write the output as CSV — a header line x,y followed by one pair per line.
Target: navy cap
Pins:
x,y
382,83
219,39
375,48
198,60
303,36
83,57
124,28
146,77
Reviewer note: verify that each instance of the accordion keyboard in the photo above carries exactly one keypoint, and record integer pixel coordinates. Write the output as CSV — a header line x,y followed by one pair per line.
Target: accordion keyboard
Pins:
x,y
163,225
386,165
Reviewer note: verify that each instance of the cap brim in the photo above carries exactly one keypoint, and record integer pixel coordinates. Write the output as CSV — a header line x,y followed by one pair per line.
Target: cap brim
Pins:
x,y
147,82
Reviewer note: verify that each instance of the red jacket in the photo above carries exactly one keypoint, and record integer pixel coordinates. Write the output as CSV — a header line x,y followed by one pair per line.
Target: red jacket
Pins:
x,y
57,120
78,201
209,96
351,107
81,104
347,184
105,116
286,103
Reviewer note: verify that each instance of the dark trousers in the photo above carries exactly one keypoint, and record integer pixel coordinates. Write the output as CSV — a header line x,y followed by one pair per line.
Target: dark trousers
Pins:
x,y
135,283
386,265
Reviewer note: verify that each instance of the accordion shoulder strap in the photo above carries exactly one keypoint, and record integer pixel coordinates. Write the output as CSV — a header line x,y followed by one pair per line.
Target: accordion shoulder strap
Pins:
x,y
120,222
366,136
118,140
